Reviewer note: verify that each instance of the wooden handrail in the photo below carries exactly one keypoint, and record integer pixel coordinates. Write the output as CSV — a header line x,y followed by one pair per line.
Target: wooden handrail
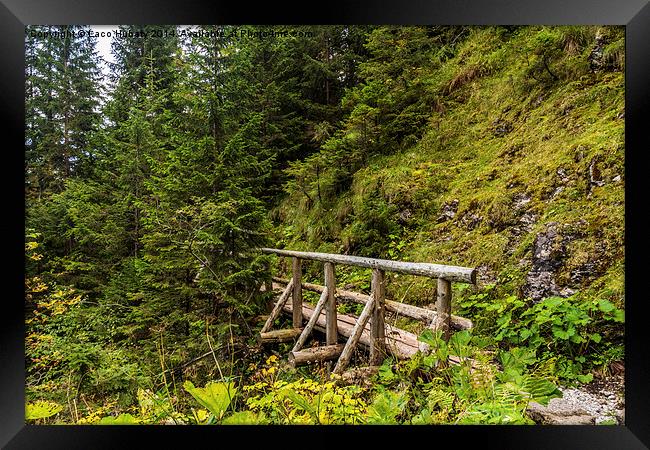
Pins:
x,y
450,273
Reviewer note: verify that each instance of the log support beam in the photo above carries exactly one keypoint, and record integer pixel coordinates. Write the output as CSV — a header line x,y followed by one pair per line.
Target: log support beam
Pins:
x,y
377,326
297,292
331,333
275,336
315,354
443,309
402,309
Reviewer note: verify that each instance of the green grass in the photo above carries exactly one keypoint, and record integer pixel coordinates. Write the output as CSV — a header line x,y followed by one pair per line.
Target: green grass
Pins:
x,y
554,126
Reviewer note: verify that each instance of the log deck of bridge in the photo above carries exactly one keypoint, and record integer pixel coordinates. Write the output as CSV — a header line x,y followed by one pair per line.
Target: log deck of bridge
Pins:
x,y
400,343
370,328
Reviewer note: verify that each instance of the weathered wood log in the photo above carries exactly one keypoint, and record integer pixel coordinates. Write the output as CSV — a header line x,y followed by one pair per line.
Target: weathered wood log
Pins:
x,y
403,309
275,336
277,308
297,292
451,273
312,321
377,331
443,308
399,343
310,355
331,336
344,359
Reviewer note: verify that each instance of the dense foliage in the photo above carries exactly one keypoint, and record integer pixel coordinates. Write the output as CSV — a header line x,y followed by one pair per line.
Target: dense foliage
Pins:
x,y
149,186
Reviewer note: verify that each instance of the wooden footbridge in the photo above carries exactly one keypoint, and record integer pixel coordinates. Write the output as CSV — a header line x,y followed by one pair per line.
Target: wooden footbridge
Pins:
x,y
370,328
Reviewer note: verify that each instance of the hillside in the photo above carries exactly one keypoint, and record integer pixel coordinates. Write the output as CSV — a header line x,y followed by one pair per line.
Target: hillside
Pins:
x,y
517,170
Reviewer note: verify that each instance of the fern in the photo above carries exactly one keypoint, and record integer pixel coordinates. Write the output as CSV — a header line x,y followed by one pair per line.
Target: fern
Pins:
x,y
41,409
441,399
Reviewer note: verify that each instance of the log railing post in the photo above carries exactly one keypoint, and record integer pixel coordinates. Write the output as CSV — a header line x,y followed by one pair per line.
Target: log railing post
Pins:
x,y
297,293
331,329
443,308
377,328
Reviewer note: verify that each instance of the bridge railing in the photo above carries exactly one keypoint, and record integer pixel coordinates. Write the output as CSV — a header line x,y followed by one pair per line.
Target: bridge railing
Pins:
x,y
374,309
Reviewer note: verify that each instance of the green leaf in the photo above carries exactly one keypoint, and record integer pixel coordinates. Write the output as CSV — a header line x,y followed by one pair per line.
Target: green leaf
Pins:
x,y
540,390
460,339
385,372
385,408
242,418
560,333
301,402
576,338
122,419
428,337
517,359
482,341
422,418
41,409
606,306
585,378
619,316
595,337
215,396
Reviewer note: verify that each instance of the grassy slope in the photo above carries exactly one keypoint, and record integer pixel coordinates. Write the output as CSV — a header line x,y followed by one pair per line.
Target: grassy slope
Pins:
x,y
503,137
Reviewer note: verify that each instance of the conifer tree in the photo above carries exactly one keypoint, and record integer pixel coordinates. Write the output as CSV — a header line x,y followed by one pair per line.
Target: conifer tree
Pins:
x,y
62,89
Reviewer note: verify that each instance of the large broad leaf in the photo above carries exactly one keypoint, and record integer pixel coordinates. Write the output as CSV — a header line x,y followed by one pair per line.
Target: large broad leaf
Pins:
x,y
517,359
215,396
385,372
386,407
434,339
41,409
122,419
242,418
459,343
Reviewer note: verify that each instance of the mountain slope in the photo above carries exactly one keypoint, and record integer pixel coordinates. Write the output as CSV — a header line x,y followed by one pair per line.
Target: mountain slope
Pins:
x,y
518,168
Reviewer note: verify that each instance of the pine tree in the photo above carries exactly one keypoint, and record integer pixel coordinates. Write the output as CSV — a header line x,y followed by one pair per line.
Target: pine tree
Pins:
x,y
203,217
63,85
136,50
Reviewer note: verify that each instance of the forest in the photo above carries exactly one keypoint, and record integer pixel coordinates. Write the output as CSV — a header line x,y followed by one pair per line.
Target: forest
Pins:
x,y
153,178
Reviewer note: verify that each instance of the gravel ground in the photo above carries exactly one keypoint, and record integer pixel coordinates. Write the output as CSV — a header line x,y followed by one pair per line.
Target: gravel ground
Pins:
x,y
602,398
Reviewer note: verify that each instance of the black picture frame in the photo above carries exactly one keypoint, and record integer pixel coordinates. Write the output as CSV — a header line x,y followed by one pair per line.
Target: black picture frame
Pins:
x,y
635,15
